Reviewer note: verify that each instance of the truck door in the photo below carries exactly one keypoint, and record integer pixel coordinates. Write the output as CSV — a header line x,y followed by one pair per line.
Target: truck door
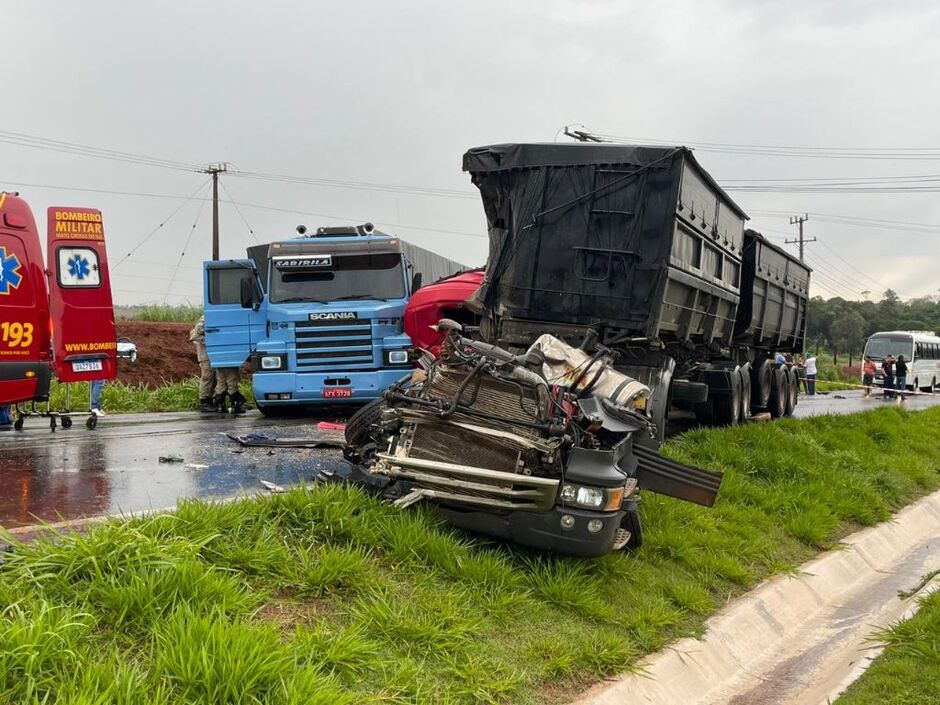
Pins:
x,y
24,307
84,342
234,325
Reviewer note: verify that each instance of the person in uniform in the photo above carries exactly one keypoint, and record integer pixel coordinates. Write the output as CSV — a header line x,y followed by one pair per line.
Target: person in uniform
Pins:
x,y
207,376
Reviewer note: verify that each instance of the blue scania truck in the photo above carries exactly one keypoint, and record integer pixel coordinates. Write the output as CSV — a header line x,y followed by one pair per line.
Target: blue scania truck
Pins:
x,y
318,316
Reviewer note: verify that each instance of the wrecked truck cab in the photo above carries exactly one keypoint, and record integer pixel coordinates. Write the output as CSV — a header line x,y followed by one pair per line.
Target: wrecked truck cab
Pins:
x,y
536,448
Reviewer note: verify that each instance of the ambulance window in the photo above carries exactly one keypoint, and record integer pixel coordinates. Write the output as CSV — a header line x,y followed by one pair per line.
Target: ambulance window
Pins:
x,y
225,285
78,268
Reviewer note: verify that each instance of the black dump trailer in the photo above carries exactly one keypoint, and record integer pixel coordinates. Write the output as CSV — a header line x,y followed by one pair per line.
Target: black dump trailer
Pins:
x,y
641,245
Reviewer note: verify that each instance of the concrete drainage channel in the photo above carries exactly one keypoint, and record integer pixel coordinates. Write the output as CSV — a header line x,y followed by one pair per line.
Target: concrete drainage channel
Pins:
x,y
799,640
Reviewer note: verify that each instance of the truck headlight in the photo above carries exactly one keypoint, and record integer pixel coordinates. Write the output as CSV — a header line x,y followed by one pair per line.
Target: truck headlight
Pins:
x,y
396,357
601,498
271,362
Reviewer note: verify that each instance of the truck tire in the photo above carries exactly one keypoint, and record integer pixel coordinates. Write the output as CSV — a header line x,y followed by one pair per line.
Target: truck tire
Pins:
x,y
793,388
357,428
727,406
705,413
762,378
778,393
275,412
745,374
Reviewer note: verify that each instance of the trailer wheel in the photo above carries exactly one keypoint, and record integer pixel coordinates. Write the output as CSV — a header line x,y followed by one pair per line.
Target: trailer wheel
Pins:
x,y
728,406
357,428
745,374
66,422
762,378
91,423
705,413
792,391
778,392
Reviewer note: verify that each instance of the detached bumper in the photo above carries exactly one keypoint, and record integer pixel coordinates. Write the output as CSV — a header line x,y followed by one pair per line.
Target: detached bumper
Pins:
x,y
310,387
542,530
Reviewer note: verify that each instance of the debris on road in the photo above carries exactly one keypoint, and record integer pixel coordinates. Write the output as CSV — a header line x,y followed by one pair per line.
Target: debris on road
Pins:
x,y
272,487
173,458
263,440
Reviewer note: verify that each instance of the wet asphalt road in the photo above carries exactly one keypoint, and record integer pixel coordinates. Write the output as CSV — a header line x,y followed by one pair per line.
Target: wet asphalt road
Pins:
x,y
78,473
116,469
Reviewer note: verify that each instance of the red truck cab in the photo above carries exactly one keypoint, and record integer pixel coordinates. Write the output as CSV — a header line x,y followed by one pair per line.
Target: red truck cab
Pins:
x,y
25,346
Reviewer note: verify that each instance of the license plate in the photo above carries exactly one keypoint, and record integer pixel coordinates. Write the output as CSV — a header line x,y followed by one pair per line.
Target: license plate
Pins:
x,y
87,366
337,393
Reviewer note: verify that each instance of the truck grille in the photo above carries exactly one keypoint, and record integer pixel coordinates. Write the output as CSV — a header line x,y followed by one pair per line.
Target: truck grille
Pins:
x,y
333,342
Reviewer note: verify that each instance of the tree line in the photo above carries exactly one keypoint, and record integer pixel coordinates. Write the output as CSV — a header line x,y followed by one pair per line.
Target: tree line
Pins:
x,y
842,326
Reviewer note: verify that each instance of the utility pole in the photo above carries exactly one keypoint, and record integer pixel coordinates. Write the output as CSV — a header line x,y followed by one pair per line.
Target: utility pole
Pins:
x,y
799,220
214,170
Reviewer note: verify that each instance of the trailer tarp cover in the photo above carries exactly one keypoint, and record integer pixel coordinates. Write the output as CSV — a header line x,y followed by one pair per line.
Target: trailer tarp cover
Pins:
x,y
619,236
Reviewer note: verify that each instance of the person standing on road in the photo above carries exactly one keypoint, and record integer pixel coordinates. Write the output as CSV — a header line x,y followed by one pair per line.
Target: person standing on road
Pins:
x,y
811,375
227,383
801,373
780,360
94,397
868,376
207,380
887,366
900,376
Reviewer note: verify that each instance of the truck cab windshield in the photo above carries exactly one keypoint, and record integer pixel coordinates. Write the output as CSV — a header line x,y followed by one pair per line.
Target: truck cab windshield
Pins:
x,y
377,277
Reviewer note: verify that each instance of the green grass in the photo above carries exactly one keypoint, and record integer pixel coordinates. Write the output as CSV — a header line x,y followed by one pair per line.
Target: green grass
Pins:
x,y
328,596
182,313
120,398
908,671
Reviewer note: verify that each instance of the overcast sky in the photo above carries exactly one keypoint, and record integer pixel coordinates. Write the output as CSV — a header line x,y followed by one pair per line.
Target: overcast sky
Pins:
x,y
395,92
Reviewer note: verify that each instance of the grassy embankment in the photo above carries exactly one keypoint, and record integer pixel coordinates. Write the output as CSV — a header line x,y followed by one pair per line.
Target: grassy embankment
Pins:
x,y
908,671
328,596
167,314
119,398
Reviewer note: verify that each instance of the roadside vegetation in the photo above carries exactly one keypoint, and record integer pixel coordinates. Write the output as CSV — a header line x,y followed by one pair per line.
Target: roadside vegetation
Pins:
x,y
181,313
908,671
120,398
326,596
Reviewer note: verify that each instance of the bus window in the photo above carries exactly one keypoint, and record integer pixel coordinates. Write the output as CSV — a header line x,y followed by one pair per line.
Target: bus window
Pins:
x,y
880,346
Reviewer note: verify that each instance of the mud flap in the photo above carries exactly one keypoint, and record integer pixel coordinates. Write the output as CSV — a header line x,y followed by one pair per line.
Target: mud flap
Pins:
x,y
662,475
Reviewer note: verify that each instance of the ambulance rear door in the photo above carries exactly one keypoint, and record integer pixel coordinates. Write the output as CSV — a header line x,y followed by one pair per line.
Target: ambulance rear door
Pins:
x,y
84,341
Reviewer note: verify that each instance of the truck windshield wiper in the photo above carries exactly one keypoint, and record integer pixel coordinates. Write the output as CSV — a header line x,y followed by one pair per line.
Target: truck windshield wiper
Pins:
x,y
301,300
350,297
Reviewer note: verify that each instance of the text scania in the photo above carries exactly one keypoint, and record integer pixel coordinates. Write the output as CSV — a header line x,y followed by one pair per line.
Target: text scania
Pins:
x,y
334,316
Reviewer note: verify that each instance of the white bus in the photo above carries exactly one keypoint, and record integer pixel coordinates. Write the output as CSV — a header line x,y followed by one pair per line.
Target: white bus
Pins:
x,y
921,351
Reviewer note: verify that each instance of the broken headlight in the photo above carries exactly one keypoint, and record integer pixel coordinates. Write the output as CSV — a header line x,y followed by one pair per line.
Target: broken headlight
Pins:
x,y
605,499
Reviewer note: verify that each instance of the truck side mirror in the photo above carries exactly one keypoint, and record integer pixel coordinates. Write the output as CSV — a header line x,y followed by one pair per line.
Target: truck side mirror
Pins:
x,y
249,293
416,282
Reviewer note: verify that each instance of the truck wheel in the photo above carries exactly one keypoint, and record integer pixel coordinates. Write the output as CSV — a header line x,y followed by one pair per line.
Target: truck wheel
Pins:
x,y
792,391
778,393
728,406
357,428
745,374
762,378
274,412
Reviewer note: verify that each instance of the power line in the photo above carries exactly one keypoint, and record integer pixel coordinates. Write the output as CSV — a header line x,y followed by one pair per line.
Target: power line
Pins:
x,y
165,221
358,185
31,141
189,237
251,232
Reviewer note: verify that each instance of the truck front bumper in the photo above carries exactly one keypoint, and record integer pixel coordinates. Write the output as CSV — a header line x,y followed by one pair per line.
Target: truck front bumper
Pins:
x,y
311,387
543,530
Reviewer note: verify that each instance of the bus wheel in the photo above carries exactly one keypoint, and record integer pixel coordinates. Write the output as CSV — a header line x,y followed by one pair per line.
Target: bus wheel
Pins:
x,y
792,391
933,385
778,393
